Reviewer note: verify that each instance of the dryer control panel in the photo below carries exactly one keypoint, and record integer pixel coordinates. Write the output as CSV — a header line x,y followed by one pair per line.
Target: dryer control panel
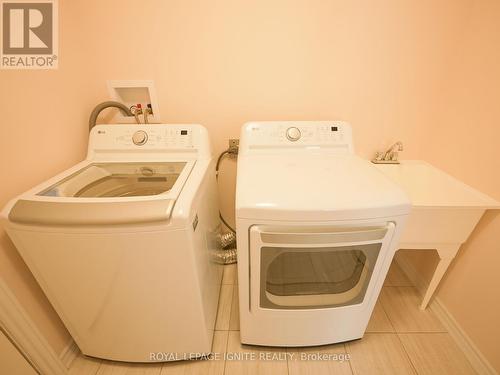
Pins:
x,y
328,135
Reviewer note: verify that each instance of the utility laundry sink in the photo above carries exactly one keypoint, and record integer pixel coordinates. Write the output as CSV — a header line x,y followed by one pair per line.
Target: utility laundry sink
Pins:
x,y
444,213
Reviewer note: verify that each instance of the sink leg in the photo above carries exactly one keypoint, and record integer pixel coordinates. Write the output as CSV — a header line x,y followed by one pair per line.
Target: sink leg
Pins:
x,y
436,278
446,253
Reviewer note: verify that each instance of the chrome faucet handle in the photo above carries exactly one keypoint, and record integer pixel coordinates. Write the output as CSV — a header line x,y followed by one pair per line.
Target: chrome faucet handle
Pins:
x,y
398,144
390,156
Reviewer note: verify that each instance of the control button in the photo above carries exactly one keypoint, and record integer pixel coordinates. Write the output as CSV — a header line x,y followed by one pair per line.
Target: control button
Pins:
x,y
293,134
140,137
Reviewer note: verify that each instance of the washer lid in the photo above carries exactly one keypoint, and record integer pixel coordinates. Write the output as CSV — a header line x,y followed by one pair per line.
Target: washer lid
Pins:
x,y
105,193
134,179
315,187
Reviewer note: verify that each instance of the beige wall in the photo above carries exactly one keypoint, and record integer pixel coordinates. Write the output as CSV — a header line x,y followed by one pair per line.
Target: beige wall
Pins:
x,y
465,142
222,63
11,361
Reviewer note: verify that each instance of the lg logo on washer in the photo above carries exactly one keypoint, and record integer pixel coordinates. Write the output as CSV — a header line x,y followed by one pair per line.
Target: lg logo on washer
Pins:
x,y
29,34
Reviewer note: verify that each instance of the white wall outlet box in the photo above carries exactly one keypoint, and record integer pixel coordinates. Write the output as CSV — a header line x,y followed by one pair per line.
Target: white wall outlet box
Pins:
x,y
132,93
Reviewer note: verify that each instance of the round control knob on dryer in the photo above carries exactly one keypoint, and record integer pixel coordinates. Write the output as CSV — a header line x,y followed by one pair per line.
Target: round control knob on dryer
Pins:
x,y
140,137
293,134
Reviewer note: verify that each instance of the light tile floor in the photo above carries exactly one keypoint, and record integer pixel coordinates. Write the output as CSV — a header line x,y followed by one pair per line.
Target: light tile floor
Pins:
x,y
400,339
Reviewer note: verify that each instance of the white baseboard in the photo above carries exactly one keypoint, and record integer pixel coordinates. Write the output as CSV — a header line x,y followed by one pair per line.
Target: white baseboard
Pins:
x,y
23,332
477,360
69,353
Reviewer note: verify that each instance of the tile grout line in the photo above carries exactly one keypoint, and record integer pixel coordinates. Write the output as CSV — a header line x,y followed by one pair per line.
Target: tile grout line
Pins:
x,y
98,368
232,305
385,312
382,304
287,364
229,326
390,321
218,304
407,354
230,309
346,350
225,354
398,333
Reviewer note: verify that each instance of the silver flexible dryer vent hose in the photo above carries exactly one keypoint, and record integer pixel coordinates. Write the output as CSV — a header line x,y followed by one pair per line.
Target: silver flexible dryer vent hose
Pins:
x,y
227,254
227,240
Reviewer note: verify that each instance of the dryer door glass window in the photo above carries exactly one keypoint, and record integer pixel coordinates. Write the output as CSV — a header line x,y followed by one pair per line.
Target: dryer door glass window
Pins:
x,y
324,277
301,277
101,180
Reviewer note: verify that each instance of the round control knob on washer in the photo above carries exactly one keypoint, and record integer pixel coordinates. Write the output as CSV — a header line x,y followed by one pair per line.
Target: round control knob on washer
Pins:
x,y
140,137
293,134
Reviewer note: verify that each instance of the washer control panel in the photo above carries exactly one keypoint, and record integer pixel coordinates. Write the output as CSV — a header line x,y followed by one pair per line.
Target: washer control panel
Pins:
x,y
160,138
297,134
151,138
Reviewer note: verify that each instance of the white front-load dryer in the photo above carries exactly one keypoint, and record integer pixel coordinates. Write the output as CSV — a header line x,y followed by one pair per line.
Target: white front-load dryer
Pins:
x,y
317,230
122,243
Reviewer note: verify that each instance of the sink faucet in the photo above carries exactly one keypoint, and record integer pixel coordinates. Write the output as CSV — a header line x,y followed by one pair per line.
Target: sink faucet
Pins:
x,y
390,156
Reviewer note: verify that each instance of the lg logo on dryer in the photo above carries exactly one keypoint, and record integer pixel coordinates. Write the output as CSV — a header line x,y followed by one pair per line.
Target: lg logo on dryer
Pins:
x,y
29,34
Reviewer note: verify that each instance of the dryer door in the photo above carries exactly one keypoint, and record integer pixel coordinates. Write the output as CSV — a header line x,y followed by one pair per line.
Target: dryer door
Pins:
x,y
316,267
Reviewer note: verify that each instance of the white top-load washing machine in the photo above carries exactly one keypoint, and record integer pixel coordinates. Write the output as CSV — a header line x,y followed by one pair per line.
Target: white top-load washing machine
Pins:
x,y
122,243
317,229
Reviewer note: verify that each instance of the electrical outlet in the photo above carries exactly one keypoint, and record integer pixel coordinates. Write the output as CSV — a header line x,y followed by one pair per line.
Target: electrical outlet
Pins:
x,y
234,144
